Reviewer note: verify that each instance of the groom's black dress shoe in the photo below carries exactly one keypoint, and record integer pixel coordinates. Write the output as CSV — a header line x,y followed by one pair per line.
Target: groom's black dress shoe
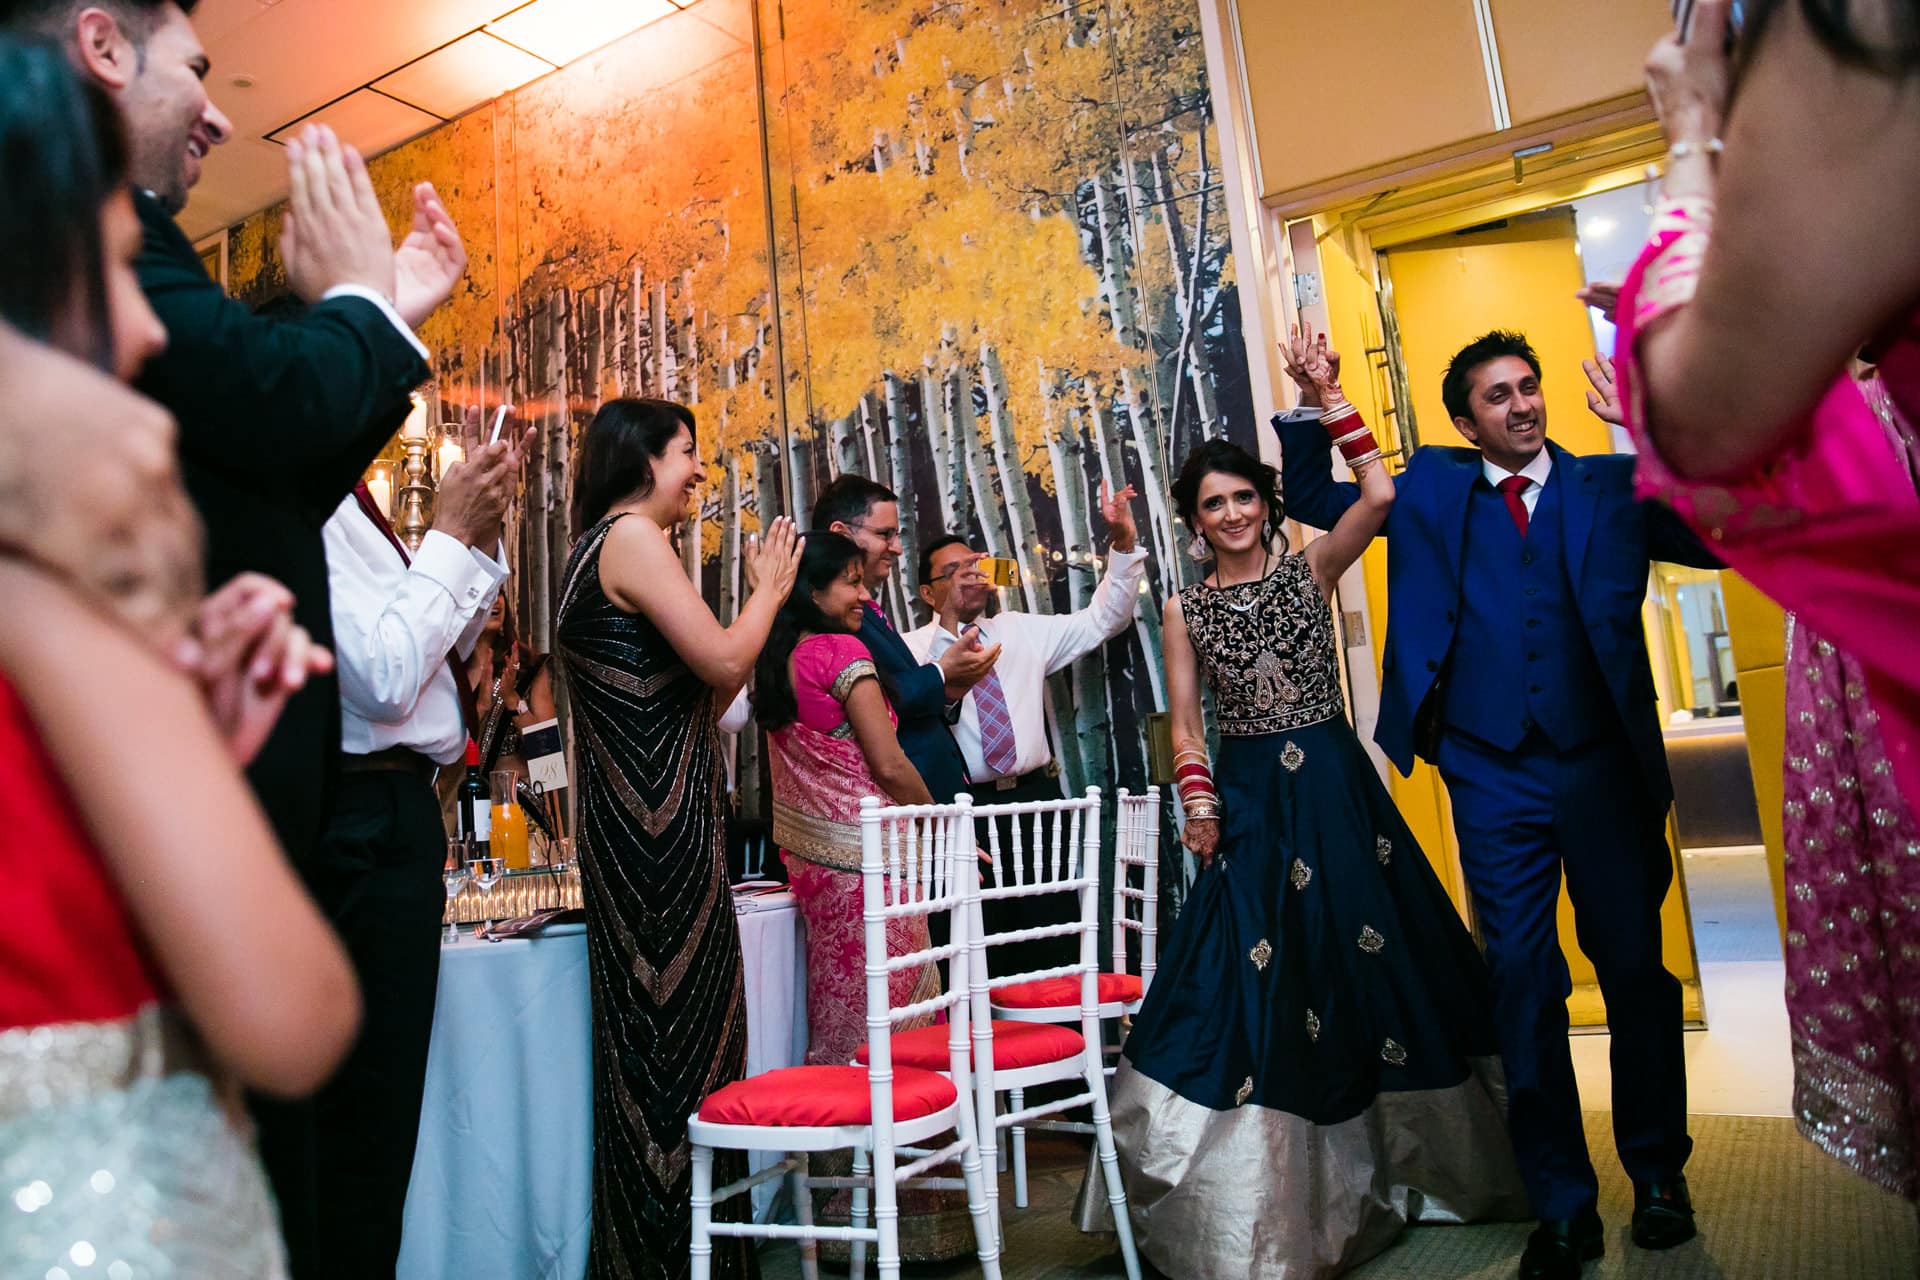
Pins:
x,y
1558,1246
1662,1213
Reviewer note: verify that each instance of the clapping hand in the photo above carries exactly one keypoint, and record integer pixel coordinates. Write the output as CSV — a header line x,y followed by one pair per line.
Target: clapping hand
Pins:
x,y
249,656
964,663
1117,509
965,579
773,558
430,261
1313,365
1604,399
334,232
474,494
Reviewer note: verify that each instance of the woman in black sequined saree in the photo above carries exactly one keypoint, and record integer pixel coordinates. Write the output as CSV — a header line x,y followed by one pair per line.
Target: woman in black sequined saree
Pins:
x,y
644,660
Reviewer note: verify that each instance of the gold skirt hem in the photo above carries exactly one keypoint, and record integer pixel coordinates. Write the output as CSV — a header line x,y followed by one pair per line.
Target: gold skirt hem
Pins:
x,y
1259,1194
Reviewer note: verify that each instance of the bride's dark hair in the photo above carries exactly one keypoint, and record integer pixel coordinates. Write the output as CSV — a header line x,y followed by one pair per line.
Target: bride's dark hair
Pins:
x,y
1229,458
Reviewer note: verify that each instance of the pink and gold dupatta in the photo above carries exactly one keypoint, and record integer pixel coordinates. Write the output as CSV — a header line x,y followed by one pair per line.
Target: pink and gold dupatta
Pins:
x,y
1829,527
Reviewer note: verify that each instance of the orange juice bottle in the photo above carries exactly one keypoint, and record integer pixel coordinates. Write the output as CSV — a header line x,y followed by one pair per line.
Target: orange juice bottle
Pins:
x,y
509,835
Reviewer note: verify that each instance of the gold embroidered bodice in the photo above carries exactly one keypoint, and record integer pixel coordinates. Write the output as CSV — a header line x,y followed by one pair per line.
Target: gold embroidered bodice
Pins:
x,y
1266,649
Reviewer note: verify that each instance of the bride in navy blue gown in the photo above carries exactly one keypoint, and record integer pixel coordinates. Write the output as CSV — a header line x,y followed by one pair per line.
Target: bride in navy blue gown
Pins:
x,y
1314,1066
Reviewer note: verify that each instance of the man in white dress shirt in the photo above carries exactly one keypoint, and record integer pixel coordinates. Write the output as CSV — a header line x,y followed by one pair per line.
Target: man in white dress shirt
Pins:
x,y
398,619
1001,725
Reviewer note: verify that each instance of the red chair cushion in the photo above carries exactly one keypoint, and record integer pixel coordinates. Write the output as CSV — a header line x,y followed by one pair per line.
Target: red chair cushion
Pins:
x,y
823,1097
1015,1044
1060,993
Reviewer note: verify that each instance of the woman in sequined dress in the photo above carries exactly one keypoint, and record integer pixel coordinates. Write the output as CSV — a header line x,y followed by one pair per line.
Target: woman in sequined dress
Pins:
x,y
1315,1065
645,660
158,949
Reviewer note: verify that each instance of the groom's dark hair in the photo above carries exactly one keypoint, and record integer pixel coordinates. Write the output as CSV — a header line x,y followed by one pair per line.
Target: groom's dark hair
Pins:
x,y
1488,346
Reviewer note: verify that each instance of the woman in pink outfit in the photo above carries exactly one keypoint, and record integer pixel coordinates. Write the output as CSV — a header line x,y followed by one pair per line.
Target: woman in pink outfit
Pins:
x,y
831,743
1783,247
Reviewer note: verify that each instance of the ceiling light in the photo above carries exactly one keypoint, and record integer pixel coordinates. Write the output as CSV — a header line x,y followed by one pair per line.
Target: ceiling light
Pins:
x,y
1599,228
562,30
474,69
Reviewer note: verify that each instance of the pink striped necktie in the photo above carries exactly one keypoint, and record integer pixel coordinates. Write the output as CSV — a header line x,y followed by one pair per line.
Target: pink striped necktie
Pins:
x,y
997,749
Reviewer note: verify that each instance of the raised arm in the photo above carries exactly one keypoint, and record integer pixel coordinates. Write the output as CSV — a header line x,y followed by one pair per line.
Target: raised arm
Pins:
x,y
873,729
1071,636
641,574
1726,379
1329,557
251,960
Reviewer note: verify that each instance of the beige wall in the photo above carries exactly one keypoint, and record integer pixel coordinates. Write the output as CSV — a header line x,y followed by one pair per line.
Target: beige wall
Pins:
x,y
1339,90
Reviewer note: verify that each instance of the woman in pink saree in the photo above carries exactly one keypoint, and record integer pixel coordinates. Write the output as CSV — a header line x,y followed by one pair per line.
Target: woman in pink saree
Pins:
x,y
1776,256
831,742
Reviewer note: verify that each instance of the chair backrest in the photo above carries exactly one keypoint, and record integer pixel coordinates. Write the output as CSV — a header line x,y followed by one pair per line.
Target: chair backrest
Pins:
x,y
1064,838
915,861
1137,910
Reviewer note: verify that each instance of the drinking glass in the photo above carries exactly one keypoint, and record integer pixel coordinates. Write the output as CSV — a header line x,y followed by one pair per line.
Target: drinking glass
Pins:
x,y
456,873
487,871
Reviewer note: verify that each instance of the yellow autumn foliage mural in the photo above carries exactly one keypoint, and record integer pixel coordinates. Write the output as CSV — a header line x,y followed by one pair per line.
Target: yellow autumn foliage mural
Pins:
x,y
975,249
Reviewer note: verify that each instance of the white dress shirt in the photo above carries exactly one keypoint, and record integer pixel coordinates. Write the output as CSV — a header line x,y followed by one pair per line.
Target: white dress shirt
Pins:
x,y
1034,646
393,627
1536,472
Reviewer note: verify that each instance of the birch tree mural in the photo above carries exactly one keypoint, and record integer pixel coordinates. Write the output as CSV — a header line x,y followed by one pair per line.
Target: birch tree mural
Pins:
x,y
1003,279
998,223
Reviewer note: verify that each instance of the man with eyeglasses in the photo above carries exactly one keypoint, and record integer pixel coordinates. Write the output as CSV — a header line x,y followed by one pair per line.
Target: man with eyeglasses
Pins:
x,y
1002,722
921,694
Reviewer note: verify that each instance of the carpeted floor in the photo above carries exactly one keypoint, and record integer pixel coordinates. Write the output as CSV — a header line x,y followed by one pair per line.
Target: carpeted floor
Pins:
x,y
1771,1207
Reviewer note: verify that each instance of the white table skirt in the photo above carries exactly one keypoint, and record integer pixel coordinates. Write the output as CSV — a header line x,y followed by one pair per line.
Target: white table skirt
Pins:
x,y
503,1172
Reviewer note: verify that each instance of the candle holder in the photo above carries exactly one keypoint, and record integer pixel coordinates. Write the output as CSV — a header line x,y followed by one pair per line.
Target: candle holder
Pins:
x,y
413,507
380,477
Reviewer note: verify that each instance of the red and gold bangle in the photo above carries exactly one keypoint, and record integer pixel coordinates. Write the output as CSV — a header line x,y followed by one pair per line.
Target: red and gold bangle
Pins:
x,y
1193,780
1349,431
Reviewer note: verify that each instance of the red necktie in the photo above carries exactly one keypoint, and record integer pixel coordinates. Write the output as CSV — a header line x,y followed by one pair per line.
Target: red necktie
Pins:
x,y
468,717
1511,488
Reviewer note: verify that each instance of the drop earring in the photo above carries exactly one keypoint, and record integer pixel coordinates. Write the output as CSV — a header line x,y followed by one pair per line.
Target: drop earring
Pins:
x,y
1199,549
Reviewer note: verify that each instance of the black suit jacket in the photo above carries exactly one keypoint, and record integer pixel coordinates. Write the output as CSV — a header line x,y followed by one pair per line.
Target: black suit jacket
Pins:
x,y
278,418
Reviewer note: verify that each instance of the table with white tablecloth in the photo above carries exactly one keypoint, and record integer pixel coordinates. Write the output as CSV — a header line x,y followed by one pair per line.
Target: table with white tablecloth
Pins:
x,y
503,1172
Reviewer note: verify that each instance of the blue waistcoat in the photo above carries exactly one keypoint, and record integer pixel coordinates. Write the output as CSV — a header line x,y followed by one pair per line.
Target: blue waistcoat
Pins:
x,y
1521,660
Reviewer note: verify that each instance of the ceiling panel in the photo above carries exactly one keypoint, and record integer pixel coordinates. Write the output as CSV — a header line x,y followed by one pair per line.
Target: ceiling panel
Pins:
x,y
371,121
462,75
276,62
562,30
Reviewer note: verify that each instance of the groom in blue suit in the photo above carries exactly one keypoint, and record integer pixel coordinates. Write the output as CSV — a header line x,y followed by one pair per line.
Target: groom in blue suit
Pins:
x,y
1517,664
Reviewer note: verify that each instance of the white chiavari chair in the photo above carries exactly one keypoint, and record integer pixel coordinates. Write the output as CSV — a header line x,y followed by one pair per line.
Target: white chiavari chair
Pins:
x,y
915,860
1016,1055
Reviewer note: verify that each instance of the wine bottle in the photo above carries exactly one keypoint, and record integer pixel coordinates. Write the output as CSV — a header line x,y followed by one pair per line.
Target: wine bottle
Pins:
x,y
475,804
